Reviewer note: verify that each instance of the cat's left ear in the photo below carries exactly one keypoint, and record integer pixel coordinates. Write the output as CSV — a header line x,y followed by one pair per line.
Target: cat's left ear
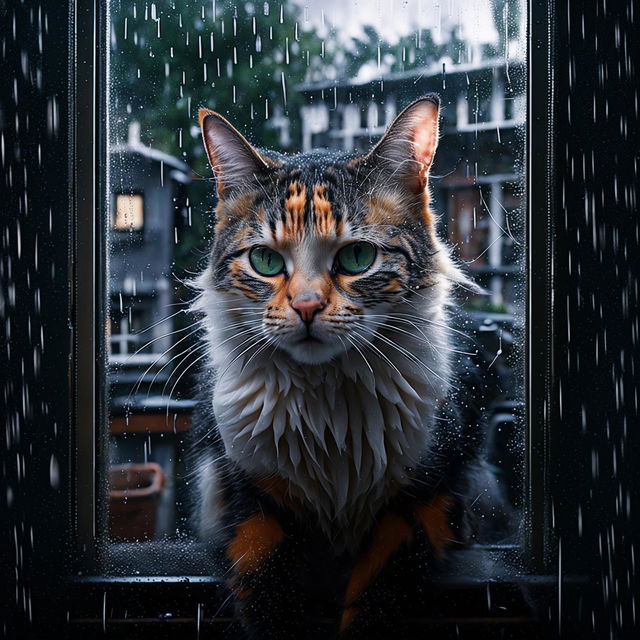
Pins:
x,y
233,160
407,148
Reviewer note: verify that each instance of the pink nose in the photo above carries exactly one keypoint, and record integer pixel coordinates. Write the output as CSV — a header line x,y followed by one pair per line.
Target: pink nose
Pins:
x,y
307,308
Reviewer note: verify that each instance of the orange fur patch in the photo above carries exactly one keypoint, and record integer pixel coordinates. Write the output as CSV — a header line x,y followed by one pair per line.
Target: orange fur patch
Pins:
x,y
348,616
279,301
294,206
228,210
242,234
298,284
391,533
384,210
394,285
427,215
434,519
236,269
325,222
255,540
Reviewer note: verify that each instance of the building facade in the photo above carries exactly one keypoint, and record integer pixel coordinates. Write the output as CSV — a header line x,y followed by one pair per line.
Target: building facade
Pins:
x,y
147,195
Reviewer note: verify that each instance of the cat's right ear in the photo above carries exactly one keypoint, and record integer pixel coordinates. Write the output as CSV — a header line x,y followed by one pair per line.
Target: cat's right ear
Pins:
x,y
405,152
233,160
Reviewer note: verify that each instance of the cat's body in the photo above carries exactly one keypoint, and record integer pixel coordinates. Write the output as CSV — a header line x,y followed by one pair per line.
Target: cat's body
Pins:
x,y
339,430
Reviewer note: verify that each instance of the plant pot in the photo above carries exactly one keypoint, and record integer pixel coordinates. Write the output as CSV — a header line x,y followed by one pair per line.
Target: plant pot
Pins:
x,y
134,492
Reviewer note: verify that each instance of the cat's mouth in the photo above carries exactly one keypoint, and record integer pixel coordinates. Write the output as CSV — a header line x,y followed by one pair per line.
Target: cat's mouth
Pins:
x,y
308,348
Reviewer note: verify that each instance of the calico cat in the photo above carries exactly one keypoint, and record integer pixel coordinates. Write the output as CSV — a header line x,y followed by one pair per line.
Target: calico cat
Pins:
x,y
339,431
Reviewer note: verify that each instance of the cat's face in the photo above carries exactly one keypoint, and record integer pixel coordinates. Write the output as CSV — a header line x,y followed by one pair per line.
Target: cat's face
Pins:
x,y
314,253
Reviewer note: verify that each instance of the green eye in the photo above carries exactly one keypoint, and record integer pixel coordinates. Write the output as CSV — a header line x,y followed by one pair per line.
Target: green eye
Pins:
x,y
266,262
356,257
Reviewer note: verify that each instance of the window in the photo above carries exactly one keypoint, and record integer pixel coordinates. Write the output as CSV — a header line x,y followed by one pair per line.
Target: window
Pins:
x,y
129,212
580,458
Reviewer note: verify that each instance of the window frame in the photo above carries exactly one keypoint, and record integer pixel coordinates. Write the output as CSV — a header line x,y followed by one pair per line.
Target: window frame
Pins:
x,y
74,387
91,190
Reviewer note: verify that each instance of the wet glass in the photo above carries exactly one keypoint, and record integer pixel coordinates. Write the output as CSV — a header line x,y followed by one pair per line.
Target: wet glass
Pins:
x,y
295,77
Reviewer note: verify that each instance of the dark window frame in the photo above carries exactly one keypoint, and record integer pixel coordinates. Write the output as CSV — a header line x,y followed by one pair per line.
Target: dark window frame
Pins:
x,y
470,570
58,511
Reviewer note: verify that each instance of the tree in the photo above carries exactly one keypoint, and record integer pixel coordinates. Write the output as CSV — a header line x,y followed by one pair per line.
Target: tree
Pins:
x,y
417,49
239,59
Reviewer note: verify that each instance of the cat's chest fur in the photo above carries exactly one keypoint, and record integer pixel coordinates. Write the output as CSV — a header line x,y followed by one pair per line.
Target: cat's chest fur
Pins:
x,y
341,434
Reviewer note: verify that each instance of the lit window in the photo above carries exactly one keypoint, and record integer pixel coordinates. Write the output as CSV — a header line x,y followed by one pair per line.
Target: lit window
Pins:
x,y
129,212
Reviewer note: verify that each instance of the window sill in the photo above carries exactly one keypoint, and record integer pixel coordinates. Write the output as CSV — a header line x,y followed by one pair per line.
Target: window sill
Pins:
x,y
483,594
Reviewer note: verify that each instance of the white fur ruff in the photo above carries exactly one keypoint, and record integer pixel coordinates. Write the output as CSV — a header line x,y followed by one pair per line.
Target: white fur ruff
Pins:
x,y
342,433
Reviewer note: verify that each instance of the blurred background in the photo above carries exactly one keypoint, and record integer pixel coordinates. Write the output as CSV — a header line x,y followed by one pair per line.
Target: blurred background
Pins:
x,y
294,77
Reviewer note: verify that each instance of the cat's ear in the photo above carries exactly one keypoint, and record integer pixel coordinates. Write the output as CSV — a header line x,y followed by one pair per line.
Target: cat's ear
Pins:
x,y
233,160
406,150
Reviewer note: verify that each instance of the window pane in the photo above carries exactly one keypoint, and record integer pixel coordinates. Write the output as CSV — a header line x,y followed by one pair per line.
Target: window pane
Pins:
x,y
295,77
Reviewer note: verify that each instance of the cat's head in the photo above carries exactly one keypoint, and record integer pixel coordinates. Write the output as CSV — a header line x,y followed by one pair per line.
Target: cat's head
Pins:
x,y
315,253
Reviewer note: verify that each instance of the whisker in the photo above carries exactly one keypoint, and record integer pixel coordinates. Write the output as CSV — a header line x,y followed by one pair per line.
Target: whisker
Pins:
x,y
245,309
166,335
187,350
483,252
244,323
135,388
243,352
255,329
486,206
382,355
410,356
155,324
204,355
429,321
413,335
355,346
260,350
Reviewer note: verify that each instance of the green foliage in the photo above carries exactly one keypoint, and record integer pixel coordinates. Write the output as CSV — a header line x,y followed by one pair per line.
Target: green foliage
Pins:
x,y
417,49
170,58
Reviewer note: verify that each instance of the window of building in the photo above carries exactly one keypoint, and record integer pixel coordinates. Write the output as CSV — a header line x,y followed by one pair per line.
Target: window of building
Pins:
x,y
129,212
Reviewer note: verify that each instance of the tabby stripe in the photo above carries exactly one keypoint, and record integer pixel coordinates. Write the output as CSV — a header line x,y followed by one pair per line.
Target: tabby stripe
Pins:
x,y
401,250
224,264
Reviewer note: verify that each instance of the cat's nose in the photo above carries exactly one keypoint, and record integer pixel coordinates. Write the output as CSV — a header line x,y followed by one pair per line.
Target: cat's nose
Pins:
x,y
307,307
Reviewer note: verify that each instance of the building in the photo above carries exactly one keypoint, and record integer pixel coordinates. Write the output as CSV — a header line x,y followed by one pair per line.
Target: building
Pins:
x,y
147,195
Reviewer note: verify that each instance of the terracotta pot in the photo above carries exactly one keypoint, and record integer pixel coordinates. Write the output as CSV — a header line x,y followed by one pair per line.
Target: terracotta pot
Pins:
x,y
134,491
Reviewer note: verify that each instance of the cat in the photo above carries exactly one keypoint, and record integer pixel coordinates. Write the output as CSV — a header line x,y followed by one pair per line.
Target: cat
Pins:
x,y
340,431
